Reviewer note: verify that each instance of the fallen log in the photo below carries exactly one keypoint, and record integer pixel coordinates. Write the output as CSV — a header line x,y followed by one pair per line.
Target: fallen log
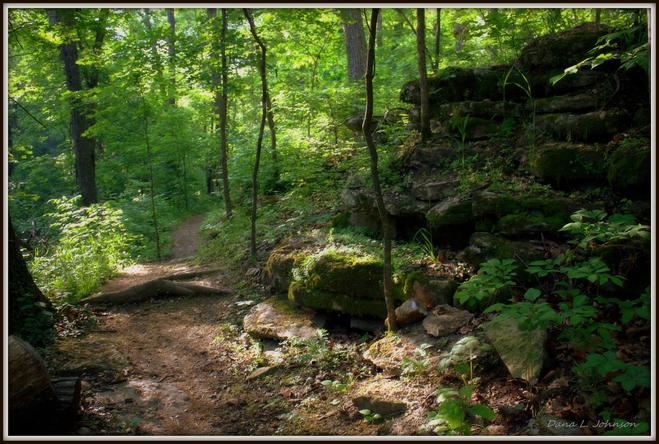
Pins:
x,y
150,290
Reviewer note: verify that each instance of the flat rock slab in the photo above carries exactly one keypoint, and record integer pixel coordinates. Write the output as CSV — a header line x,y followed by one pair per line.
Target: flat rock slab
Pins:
x,y
444,320
388,353
261,371
277,319
521,351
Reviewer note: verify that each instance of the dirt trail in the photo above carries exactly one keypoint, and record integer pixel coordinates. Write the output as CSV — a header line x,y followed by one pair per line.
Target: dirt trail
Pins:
x,y
154,368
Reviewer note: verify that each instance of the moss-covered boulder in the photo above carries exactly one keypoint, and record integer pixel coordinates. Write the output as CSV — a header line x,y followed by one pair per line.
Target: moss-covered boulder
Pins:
x,y
455,84
429,291
527,223
484,109
454,211
583,102
485,246
562,49
564,164
282,260
346,282
629,171
596,126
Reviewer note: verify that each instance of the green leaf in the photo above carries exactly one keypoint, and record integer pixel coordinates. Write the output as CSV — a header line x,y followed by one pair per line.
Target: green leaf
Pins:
x,y
532,294
483,411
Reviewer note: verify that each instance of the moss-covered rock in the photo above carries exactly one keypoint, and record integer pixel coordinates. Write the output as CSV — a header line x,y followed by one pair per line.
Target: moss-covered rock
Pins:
x,y
451,212
568,103
629,170
596,126
429,291
521,224
340,281
563,164
562,49
485,246
281,262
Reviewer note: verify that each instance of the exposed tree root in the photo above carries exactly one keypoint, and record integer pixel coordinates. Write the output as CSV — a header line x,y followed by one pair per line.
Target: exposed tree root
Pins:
x,y
153,289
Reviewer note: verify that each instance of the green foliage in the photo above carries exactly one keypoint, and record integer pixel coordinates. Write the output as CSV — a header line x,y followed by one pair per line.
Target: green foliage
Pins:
x,y
455,411
371,417
592,227
597,367
460,125
529,314
494,277
93,244
461,358
424,238
418,364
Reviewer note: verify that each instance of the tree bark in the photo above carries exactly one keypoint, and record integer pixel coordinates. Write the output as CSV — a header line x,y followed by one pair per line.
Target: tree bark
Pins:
x,y
83,146
353,32
220,81
438,36
171,52
152,192
150,290
146,19
375,176
259,143
26,301
423,77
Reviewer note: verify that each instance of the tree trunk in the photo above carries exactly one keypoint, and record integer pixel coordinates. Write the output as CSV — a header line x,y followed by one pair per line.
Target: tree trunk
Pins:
x,y
83,147
598,16
224,164
438,36
423,79
259,143
26,301
154,51
375,176
149,158
171,51
220,80
353,32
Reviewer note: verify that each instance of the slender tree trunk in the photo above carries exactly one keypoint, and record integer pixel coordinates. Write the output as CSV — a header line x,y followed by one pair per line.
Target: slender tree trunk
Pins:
x,y
149,157
423,77
220,80
384,216
83,147
259,143
438,35
353,32
171,51
146,19
598,16
224,103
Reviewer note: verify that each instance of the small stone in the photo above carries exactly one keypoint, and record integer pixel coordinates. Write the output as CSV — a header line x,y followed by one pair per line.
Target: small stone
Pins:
x,y
277,319
262,371
384,407
84,431
444,320
409,312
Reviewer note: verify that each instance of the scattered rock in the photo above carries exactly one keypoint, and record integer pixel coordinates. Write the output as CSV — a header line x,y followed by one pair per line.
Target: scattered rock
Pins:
x,y
409,312
522,352
429,291
277,319
444,320
261,371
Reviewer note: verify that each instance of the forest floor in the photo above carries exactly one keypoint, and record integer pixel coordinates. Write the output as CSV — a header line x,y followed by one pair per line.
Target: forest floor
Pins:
x,y
178,366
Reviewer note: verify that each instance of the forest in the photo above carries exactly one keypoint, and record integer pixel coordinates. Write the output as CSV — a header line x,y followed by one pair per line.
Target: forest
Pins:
x,y
329,221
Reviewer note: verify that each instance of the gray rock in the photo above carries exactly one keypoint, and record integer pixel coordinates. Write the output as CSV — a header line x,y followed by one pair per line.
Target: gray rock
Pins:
x,y
521,351
436,190
582,102
277,319
596,126
261,371
434,292
409,312
444,320
452,211
567,163
384,407
369,325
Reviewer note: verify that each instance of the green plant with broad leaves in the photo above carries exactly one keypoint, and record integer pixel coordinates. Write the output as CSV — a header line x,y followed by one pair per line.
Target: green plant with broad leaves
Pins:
x,y
494,277
456,411
371,417
593,227
462,357
418,364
